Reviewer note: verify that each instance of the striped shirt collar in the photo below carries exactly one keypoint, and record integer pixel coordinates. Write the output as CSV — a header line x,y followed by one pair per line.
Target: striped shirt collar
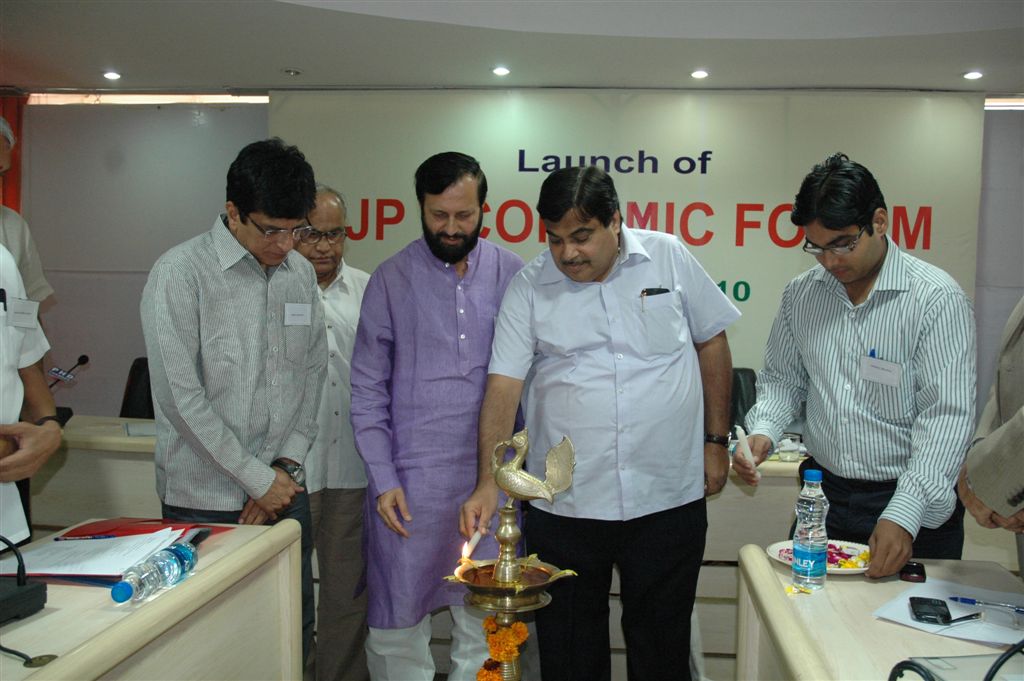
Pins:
x,y
230,250
892,277
629,246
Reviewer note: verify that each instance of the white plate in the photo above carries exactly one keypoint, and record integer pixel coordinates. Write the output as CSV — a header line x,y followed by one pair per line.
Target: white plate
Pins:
x,y
776,549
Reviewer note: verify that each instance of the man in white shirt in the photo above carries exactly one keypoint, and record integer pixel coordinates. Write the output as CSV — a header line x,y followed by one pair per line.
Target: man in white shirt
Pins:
x,y
14,232
335,476
25,445
616,338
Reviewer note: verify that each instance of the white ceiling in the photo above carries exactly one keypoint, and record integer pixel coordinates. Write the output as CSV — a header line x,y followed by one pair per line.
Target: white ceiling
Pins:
x,y
244,45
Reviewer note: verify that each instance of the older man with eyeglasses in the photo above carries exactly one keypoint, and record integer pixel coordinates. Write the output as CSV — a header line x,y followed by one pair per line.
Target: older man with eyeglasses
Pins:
x,y
237,351
881,347
335,476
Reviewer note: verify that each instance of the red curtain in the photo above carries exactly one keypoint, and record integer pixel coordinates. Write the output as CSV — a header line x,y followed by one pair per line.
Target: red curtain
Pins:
x,y
13,109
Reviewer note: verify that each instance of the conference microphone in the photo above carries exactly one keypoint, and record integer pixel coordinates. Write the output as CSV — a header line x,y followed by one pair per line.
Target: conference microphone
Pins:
x,y
62,375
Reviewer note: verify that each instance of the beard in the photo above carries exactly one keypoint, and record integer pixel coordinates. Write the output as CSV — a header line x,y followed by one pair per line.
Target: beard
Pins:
x,y
451,253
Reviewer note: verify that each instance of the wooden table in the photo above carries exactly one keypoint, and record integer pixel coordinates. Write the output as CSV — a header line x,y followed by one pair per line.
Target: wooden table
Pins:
x,y
237,617
831,634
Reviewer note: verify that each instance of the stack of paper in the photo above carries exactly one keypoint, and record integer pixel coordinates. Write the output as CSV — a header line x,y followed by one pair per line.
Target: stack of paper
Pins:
x,y
89,557
997,627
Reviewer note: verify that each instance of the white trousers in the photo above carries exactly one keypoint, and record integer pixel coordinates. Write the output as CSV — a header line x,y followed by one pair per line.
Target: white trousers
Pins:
x,y
404,654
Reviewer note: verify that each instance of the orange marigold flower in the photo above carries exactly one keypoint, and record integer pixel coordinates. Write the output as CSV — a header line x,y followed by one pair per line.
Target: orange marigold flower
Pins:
x,y
490,625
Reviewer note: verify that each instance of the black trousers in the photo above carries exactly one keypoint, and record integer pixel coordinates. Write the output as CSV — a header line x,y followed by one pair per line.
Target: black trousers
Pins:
x,y
658,557
299,510
855,505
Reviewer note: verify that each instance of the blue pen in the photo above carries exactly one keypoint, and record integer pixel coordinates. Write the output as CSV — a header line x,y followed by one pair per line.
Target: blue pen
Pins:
x,y
872,354
91,536
965,600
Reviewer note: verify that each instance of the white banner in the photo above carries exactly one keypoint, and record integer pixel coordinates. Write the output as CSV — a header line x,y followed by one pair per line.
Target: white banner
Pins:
x,y
717,169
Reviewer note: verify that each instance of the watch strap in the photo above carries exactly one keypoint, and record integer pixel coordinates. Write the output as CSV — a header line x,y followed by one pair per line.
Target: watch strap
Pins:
x,y
716,439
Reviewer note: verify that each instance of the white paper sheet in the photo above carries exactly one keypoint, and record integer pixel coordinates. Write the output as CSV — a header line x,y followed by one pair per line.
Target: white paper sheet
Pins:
x,y
12,516
996,628
90,557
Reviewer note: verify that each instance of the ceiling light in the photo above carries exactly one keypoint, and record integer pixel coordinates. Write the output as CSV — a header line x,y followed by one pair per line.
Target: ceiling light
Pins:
x,y
699,74
289,71
500,71
973,75
112,75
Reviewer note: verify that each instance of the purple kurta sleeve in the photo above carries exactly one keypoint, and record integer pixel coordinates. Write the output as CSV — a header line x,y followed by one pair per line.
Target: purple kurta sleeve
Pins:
x,y
372,366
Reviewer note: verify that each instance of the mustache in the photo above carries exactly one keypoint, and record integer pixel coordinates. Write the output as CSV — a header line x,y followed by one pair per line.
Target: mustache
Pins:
x,y
574,262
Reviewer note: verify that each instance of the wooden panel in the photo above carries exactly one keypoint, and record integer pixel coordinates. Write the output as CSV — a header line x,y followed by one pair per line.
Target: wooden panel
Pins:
x,y
717,581
741,514
717,618
237,617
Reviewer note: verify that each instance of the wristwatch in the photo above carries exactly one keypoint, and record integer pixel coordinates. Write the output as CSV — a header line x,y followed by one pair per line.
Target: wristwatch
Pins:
x,y
716,439
294,470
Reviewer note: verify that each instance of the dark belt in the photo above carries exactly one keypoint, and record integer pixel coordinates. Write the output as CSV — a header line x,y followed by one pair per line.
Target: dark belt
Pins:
x,y
850,484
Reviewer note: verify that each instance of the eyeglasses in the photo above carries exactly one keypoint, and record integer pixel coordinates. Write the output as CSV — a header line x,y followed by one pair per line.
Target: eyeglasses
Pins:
x,y
312,236
275,233
837,249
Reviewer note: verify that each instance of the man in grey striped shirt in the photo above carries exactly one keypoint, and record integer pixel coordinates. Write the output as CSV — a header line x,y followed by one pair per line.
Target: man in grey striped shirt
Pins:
x,y
237,356
880,346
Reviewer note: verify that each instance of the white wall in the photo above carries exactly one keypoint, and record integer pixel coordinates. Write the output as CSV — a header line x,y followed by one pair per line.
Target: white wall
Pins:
x,y
107,189
1000,275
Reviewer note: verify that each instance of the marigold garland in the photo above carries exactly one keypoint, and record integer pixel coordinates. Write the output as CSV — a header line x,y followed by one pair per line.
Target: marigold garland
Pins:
x,y
503,645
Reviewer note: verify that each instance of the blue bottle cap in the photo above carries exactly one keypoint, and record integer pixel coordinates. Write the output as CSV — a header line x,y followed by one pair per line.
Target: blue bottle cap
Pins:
x,y
812,475
121,592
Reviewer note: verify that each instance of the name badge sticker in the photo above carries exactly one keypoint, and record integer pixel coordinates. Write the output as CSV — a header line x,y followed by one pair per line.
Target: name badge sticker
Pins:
x,y
879,371
22,313
298,314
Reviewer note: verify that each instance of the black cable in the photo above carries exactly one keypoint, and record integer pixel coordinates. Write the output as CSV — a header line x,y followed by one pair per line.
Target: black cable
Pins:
x,y
1001,660
910,665
22,577
16,653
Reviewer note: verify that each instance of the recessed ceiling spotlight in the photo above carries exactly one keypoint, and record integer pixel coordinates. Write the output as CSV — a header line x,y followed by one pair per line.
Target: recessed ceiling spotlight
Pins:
x,y
500,71
699,74
112,75
289,71
973,75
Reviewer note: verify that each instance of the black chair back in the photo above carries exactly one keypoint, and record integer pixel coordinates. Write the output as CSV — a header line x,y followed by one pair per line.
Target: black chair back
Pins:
x,y
138,399
744,394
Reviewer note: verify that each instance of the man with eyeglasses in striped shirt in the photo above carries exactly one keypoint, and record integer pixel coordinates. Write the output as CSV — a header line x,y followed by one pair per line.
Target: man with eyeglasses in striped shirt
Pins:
x,y
237,350
881,347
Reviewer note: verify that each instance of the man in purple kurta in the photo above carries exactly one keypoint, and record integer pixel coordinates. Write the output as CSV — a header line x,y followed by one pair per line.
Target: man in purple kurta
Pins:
x,y
418,374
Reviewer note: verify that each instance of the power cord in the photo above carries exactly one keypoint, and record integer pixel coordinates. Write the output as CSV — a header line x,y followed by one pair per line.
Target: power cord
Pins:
x,y
22,580
1001,660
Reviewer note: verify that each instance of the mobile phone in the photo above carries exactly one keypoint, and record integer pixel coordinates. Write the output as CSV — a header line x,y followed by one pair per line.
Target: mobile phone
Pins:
x,y
930,610
912,572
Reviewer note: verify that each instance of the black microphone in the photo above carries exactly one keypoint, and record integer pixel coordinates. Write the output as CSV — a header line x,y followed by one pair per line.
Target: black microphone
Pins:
x,y
66,375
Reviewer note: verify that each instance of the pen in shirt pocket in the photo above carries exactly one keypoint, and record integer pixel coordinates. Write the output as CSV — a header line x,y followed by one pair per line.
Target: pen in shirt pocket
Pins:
x,y
650,292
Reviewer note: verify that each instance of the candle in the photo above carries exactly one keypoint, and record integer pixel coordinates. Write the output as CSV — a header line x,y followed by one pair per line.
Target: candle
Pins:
x,y
470,546
741,436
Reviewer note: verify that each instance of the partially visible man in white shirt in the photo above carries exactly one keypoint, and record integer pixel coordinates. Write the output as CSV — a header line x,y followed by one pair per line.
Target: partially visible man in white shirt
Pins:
x,y
25,445
335,476
14,233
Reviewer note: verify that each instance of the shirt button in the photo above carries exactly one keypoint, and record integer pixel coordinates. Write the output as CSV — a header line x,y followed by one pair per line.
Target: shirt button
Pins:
x,y
852,315
461,311
332,354
622,467
462,336
618,356
459,287
273,349
333,384
273,382
846,387
336,413
275,417
329,326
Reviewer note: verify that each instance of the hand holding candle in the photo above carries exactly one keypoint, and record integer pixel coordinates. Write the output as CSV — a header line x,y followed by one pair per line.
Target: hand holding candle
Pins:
x,y
744,447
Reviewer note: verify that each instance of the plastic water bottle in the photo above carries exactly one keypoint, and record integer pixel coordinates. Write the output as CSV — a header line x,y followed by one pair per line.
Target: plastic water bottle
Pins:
x,y
162,570
810,541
